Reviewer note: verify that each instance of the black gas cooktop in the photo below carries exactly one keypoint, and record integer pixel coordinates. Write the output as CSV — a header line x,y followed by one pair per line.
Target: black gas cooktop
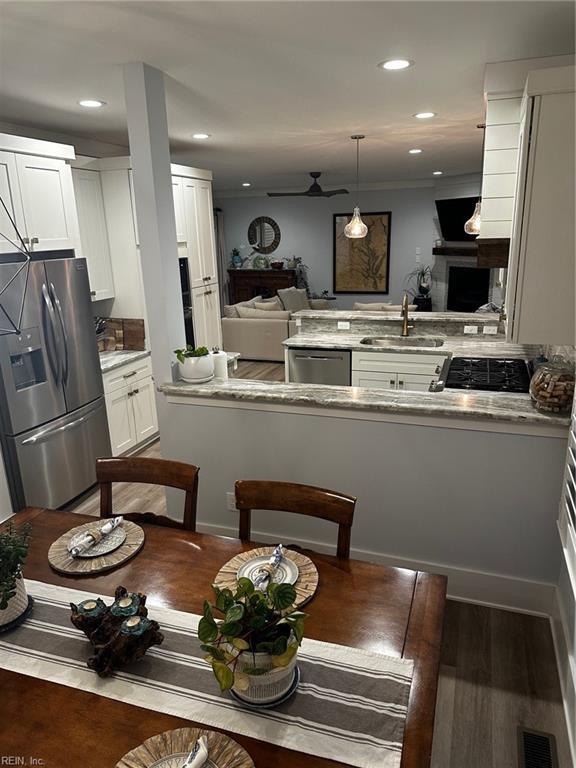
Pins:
x,y
488,374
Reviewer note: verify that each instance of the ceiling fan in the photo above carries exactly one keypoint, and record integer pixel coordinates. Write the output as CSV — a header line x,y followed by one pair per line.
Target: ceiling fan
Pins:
x,y
314,190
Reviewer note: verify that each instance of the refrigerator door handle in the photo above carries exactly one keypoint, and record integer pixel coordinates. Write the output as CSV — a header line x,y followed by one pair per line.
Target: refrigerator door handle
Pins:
x,y
56,301
54,360
45,434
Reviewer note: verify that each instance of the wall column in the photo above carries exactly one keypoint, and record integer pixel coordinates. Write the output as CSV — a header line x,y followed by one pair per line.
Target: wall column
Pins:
x,y
150,153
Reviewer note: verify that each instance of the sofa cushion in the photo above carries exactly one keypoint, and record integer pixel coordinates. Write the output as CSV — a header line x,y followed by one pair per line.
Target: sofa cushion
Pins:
x,y
270,305
231,310
380,307
262,314
319,304
294,299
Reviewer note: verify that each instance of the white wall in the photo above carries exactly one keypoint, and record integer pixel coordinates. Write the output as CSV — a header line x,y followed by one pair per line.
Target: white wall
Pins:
x,y
306,230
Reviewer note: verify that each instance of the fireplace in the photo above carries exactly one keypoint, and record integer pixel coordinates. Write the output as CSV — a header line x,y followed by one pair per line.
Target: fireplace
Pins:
x,y
468,288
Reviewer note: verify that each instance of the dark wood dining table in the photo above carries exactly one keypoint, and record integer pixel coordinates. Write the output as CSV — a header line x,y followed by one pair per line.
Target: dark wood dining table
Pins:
x,y
393,611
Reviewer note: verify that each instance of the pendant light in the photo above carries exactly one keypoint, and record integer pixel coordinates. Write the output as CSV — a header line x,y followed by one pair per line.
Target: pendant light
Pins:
x,y
356,228
472,226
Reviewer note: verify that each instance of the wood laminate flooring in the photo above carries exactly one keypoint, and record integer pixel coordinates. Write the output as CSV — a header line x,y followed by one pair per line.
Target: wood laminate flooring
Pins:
x,y
498,668
263,371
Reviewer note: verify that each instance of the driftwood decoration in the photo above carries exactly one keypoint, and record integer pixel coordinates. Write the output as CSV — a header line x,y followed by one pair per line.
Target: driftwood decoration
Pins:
x,y
120,633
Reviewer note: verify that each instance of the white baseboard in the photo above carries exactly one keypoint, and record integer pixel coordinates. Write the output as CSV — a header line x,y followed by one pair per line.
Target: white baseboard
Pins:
x,y
491,589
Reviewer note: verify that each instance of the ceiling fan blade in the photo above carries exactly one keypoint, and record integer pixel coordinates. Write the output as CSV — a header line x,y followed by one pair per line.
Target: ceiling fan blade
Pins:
x,y
287,194
332,192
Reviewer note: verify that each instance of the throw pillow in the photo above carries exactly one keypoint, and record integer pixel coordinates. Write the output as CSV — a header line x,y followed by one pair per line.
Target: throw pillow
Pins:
x,y
375,306
273,305
262,314
319,304
294,299
231,310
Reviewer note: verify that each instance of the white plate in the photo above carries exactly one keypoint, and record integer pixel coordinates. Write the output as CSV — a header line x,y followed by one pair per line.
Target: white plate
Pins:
x,y
198,381
286,573
107,543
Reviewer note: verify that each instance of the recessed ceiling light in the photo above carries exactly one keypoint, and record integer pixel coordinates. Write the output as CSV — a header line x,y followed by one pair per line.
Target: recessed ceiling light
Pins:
x,y
395,64
437,173
424,115
414,151
201,136
246,184
91,103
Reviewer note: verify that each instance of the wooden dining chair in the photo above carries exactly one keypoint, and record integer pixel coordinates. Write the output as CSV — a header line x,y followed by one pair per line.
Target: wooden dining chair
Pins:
x,y
173,474
300,499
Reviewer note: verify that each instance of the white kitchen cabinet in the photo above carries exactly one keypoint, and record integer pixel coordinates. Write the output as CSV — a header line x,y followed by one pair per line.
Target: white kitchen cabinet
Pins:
x,y
201,250
10,193
93,232
392,370
120,421
130,405
49,208
206,316
540,294
178,209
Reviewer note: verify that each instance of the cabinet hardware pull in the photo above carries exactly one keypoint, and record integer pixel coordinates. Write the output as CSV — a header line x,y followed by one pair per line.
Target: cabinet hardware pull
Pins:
x,y
437,369
34,240
92,293
206,293
392,382
129,375
135,391
400,383
432,387
26,240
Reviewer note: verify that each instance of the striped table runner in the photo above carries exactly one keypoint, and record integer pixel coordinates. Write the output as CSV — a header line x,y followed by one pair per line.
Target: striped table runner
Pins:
x,y
350,705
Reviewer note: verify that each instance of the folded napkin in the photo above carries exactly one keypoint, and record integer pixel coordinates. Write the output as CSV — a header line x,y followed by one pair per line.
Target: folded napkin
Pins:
x,y
199,755
93,536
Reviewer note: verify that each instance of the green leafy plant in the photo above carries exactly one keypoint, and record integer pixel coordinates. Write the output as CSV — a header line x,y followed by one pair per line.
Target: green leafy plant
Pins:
x,y
189,351
253,622
419,280
13,550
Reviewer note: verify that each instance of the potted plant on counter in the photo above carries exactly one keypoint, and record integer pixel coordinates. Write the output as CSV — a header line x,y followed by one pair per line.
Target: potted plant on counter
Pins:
x,y
13,550
195,364
253,648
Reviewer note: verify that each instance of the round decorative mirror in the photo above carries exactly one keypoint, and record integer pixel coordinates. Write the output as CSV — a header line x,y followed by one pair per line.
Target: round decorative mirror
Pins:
x,y
264,234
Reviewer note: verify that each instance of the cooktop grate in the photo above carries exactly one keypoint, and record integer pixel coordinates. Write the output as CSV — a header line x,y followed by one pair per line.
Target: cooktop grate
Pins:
x,y
488,374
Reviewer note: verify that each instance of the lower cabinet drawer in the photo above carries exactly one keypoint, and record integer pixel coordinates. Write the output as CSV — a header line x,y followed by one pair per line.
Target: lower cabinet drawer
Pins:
x,y
127,374
416,382
374,380
390,362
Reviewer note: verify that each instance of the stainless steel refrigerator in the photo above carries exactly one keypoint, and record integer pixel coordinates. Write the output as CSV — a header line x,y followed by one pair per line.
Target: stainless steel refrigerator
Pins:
x,y
52,409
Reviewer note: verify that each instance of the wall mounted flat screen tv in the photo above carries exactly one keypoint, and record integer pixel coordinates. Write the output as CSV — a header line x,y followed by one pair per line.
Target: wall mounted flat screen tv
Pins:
x,y
452,215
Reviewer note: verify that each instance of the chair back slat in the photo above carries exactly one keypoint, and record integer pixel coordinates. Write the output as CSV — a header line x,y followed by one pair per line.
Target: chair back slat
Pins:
x,y
299,499
171,474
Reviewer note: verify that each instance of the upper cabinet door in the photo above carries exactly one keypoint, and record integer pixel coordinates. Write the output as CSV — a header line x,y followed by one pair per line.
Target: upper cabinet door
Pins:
x,y
10,194
191,213
206,232
177,191
93,232
48,203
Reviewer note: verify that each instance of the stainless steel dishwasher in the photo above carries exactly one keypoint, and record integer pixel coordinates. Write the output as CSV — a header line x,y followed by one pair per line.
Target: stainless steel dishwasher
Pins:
x,y
319,366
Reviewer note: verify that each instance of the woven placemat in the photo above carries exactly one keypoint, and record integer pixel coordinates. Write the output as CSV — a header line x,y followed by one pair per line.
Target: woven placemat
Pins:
x,y
305,586
223,752
62,561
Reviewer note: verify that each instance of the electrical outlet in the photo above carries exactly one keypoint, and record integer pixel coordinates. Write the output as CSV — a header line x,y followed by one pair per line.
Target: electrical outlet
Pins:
x,y
470,329
231,502
490,330
298,322
343,325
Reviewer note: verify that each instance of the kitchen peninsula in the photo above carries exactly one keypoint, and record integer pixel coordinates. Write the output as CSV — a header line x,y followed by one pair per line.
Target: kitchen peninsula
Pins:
x,y
459,482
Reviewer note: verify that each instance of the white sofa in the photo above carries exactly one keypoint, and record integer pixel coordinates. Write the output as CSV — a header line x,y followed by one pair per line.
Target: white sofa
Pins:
x,y
255,338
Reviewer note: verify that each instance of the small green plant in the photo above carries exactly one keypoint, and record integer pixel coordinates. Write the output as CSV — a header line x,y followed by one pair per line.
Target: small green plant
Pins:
x,y
13,550
189,351
253,622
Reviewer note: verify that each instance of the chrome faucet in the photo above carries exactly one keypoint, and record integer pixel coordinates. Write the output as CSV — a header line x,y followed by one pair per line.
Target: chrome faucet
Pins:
x,y
405,327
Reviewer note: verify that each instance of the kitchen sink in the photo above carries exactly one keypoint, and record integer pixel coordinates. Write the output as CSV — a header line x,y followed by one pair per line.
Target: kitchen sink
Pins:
x,y
402,341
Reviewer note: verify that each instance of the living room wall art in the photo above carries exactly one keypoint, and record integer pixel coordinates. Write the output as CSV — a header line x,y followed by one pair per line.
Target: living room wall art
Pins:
x,y
363,265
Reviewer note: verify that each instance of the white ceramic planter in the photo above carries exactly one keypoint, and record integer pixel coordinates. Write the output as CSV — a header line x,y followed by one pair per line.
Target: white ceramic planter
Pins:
x,y
16,605
267,688
197,369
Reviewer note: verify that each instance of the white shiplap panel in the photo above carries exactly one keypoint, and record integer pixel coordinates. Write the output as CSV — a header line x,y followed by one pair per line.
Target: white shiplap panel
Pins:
x,y
495,228
500,161
498,185
501,137
497,208
502,111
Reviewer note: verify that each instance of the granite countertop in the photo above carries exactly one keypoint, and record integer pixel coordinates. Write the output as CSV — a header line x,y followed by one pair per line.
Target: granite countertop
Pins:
x,y
111,360
492,407
474,318
455,346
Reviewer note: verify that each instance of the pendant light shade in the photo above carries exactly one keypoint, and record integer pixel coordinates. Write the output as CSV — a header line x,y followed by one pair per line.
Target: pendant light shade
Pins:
x,y
472,226
356,229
